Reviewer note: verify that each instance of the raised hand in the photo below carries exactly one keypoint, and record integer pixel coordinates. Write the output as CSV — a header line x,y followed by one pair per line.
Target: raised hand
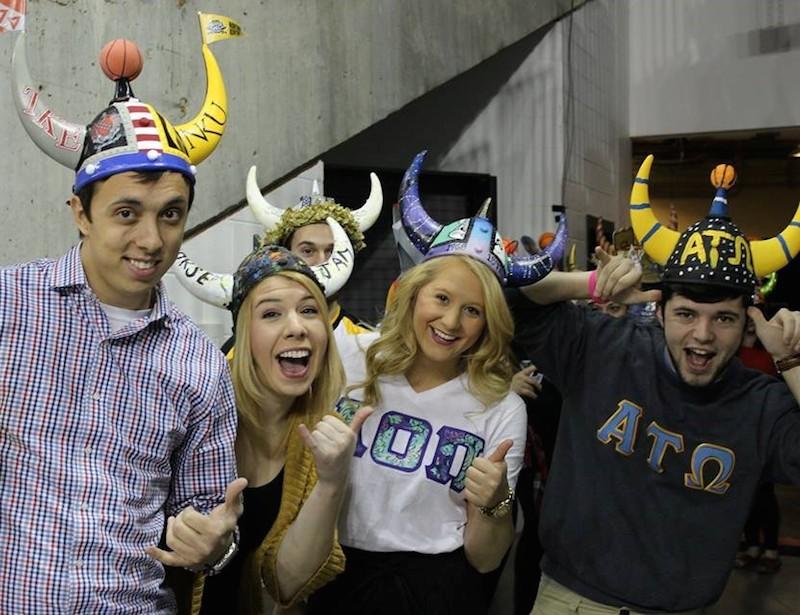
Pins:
x,y
780,335
196,540
486,482
618,278
522,383
332,444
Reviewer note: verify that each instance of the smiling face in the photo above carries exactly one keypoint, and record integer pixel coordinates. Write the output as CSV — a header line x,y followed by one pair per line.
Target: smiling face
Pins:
x,y
702,337
313,243
288,336
133,237
449,317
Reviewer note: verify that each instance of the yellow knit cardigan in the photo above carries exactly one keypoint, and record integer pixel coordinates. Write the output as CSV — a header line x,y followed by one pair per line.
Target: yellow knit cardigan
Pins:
x,y
261,566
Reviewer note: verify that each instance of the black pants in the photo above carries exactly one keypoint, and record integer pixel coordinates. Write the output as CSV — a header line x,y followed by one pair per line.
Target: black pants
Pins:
x,y
765,517
403,583
529,548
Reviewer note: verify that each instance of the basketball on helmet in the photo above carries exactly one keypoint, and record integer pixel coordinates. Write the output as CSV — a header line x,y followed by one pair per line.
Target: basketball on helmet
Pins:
x,y
723,176
121,59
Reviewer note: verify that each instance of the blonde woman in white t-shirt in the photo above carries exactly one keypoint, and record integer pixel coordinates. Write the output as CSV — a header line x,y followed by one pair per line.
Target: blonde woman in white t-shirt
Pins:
x,y
433,471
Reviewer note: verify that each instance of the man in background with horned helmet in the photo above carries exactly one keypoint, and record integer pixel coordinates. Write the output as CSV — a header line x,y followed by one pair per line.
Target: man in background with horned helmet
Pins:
x,y
302,230
323,233
116,412
664,434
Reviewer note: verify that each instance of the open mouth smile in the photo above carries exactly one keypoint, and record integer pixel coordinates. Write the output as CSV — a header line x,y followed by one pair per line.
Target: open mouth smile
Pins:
x,y
698,360
440,337
294,363
142,267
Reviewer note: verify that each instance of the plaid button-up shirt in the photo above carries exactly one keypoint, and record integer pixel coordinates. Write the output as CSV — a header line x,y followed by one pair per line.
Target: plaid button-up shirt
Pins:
x,y
101,436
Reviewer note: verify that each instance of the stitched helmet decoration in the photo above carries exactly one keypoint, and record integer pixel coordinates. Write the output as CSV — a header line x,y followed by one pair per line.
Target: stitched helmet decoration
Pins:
x,y
475,237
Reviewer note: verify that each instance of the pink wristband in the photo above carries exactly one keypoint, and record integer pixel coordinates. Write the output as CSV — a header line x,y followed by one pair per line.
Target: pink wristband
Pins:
x,y
592,286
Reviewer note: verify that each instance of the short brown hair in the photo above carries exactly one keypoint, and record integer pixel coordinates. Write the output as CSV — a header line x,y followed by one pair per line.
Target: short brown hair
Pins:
x,y
86,193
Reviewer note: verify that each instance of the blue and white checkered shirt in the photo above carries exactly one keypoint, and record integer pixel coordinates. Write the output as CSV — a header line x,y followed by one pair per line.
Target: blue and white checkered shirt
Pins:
x,y
101,436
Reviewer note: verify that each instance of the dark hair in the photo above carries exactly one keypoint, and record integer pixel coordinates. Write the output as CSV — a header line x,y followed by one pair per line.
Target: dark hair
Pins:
x,y
703,293
86,193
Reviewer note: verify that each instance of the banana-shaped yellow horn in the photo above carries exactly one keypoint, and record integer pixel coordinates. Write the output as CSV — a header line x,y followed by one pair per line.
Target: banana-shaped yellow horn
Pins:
x,y
657,240
202,134
769,255
571,266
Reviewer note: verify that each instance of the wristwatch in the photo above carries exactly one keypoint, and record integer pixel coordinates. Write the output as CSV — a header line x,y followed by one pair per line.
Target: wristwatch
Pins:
x,y
501,509
212,569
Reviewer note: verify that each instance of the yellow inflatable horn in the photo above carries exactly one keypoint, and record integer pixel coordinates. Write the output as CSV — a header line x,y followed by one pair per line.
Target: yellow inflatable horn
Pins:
x,y
770,255
202,134
656,239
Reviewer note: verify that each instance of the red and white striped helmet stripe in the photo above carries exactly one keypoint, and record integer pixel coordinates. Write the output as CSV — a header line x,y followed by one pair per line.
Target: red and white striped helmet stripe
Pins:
x,y
144,126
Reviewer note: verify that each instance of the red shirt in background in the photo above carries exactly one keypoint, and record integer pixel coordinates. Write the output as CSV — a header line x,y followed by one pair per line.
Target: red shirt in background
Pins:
x,y
757,358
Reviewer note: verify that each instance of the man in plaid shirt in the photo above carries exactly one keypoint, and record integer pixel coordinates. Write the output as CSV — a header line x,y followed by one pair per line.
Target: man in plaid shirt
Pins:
x,y
116,413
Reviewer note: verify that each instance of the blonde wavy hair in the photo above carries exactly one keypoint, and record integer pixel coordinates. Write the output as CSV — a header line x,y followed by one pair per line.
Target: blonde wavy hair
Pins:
x,y
487,364
310,407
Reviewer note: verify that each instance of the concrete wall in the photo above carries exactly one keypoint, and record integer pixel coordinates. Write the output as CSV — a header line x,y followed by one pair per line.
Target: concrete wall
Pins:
x,y
713,65
519,137
505,117
308,75
598,173
517,115
566,103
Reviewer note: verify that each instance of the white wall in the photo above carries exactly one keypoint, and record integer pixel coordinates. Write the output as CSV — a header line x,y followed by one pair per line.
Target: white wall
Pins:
x,y
222,247
598,177
518,136
548,107
713,65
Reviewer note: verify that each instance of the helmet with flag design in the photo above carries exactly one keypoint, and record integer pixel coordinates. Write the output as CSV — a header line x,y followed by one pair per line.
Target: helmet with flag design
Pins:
x,y
129,135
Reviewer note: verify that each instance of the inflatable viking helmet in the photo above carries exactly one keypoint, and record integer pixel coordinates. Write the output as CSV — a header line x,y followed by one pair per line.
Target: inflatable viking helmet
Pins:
x,y
475,237
347,227
128,135
712,251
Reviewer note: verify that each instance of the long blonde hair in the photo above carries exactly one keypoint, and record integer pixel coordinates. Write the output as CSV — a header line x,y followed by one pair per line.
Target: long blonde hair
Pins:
x,y
310,407
487,363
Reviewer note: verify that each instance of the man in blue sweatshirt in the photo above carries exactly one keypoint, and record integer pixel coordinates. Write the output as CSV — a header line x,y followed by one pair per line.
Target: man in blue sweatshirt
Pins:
x,y
664,434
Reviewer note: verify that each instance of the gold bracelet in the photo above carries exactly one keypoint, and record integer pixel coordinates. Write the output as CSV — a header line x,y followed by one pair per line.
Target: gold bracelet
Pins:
x,y
788,363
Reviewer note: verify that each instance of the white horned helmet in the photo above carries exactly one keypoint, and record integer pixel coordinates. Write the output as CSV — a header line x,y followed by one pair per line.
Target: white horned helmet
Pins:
x,y
347,227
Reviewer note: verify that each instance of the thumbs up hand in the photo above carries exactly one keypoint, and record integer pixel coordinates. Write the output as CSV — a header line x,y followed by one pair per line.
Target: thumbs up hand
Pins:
x,y
196,540
486,481
332,444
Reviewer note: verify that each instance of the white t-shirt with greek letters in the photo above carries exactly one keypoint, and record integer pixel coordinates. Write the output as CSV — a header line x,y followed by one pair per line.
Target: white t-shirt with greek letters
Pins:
x,y
407,476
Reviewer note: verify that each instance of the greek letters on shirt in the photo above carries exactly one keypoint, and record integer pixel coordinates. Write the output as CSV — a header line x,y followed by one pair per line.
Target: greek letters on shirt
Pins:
x,y
401,441
710,465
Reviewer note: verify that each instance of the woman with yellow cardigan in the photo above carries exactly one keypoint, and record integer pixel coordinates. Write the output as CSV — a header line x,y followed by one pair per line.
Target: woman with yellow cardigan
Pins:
x,y
293,450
